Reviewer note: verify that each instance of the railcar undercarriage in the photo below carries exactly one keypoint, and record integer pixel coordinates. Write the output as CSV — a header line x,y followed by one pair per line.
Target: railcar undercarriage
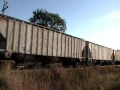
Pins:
x,y
22,61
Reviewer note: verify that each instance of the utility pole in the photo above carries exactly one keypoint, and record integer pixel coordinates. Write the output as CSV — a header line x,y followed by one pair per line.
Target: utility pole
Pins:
x,y
4,7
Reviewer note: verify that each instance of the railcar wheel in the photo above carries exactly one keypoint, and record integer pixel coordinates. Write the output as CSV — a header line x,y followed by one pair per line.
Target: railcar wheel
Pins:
x,y
7,54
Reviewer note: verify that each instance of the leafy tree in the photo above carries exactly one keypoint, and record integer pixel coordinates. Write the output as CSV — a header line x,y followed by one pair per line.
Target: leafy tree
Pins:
x,y
47,19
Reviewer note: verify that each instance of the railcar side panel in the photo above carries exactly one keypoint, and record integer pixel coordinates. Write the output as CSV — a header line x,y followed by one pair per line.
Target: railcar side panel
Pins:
x,y
100,52
96,52
75,54
90,49
117,55
22,37
28,39
77,47
63,45
55,44
70,45
45,42
106,53
34,40
97,46
50,43
109,54
3,32
100,57
102,48
93,47
16,36
81,49
40,41
59,45
107,50
3,26
10,35
103,54
73,47
66,46
93,51
112,53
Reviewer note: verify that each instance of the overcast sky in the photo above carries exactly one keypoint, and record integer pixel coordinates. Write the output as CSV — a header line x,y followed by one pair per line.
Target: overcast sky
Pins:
x,y
94,20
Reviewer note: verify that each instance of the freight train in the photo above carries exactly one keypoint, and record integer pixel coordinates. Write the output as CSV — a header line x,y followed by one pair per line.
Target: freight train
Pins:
x,y
29,44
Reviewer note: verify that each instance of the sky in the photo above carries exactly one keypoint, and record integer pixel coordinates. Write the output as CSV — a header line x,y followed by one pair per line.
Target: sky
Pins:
x,y
97,21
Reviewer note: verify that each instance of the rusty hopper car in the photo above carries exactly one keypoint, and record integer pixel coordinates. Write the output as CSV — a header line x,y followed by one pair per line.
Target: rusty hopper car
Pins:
x,y
20,37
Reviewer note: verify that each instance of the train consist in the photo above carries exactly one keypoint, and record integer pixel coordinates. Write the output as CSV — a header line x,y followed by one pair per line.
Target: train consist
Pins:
x,y
30,44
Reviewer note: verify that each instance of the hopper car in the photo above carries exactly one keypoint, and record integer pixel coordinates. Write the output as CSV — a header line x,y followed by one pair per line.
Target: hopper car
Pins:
x,y
29,44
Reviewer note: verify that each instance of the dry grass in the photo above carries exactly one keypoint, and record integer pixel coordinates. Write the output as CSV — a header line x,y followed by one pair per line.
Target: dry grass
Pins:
x,y
95,78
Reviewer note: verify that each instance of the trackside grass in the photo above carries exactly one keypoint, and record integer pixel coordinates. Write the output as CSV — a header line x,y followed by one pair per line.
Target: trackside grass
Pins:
x,y
94,78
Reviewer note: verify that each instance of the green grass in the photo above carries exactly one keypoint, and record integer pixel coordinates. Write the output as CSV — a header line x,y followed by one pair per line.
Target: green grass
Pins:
x,y
94,78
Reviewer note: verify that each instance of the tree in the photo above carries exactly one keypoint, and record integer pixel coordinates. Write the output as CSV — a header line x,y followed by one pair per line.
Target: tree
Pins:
x,y
47,19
